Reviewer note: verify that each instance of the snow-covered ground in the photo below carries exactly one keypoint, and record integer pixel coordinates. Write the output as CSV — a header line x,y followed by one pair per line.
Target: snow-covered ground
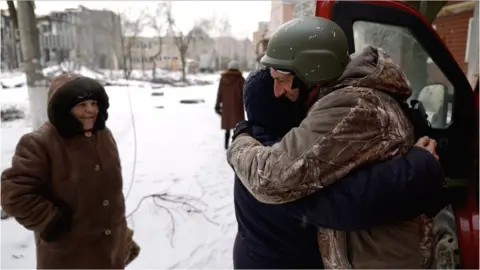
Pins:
x,y
179,150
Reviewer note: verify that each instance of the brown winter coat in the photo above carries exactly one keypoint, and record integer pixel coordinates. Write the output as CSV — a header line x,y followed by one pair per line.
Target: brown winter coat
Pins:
x,y
357,123
81,172
230,98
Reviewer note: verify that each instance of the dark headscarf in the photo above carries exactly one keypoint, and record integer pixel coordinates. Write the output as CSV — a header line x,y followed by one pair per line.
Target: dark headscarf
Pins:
x,y
66,91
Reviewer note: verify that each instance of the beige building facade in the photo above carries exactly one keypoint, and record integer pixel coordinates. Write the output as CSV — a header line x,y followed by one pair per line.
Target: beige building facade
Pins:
x,y
146,53
281,12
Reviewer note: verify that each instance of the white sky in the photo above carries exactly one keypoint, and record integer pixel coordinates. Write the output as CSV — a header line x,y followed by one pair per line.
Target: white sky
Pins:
x,y
243,15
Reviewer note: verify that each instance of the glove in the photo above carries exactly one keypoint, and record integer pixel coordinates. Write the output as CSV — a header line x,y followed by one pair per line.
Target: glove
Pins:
x,y
218,110
60,225
242,127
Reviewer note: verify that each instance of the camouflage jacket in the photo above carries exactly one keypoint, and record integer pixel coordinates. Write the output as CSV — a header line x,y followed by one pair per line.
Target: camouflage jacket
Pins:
x,y
358,122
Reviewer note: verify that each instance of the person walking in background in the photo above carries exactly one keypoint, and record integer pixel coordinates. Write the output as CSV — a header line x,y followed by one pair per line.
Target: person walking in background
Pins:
x,y
229,104
65,182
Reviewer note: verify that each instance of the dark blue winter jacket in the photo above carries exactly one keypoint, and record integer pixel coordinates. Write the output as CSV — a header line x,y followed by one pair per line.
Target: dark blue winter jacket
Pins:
x,y
284,236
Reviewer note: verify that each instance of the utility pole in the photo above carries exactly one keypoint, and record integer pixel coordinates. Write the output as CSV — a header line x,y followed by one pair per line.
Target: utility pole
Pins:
x,y
30,45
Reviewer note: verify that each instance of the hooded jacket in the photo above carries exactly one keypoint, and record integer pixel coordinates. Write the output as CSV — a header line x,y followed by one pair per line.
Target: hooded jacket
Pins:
x,y
229,98
61,173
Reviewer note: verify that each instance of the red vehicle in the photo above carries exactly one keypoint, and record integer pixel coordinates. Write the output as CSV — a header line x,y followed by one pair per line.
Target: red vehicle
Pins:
x,y
451,104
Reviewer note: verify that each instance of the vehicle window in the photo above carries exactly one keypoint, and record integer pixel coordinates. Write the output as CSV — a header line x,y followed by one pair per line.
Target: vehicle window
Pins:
x,y
428,82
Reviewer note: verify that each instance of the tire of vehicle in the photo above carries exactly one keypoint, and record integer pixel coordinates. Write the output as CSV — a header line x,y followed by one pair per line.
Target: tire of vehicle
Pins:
x,y
446,250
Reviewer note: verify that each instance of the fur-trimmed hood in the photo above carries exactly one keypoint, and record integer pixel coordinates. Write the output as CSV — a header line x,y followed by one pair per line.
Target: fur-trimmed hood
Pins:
x,y
66,91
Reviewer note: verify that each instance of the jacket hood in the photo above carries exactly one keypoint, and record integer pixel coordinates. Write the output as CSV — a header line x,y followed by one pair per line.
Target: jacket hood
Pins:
x,y
66,91
271,117
373,68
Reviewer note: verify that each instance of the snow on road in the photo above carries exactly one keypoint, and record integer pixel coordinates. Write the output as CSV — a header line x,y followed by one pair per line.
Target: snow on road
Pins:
x,y
179,151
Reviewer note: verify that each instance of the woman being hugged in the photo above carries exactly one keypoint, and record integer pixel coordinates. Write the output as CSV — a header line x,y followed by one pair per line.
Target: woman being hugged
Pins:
x,y
65,182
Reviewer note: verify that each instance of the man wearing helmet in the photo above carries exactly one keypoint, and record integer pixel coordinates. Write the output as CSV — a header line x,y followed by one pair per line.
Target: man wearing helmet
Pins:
x,y
357,119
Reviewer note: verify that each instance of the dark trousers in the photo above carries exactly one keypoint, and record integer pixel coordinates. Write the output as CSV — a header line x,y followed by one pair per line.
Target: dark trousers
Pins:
x,y
227,138
244,259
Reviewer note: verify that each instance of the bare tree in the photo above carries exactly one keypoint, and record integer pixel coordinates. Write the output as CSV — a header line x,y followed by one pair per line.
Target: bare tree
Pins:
x,y
130,31
183,40
223,29
158,22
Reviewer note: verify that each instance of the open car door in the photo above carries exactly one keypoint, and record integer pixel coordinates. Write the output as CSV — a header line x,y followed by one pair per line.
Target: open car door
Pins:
x,y
440,84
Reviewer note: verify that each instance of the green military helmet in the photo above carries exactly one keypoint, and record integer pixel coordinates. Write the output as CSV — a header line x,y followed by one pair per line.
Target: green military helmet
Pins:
x,y
314,48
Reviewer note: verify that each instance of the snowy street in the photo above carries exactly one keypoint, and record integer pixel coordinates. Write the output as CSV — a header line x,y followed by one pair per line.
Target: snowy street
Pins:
x,y
179,150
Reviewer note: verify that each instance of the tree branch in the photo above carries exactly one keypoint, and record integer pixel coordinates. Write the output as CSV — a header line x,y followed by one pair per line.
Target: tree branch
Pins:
x,y
184,201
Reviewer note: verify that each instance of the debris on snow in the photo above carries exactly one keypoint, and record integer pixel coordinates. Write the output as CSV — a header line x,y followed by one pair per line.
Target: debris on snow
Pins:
x,y
192,101
17,256
11,113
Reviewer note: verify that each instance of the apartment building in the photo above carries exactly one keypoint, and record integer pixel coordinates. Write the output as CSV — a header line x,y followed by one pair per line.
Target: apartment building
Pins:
x,y
247,59
280,13
149,52
261,33
10,53
146,53
92,37
230,48
260,39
